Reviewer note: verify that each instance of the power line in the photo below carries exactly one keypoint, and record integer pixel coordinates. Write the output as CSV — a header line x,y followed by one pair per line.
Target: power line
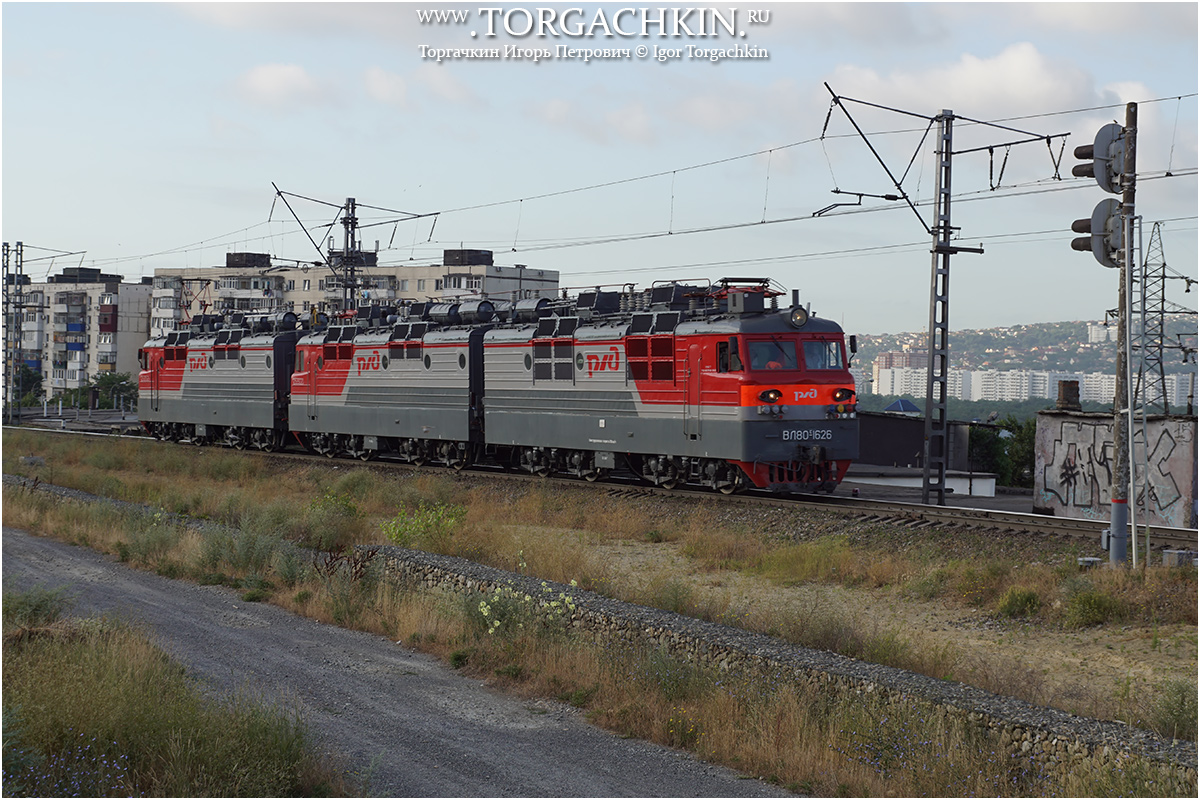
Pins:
x,y
237,235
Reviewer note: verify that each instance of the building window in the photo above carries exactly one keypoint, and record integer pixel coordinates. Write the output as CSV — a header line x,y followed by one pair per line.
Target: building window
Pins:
x,y
420,284
404,284
307,285
437,284
475,283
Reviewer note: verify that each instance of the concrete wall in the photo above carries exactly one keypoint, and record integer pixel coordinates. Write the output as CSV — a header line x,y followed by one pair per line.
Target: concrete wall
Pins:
x,y
1074,462
1056,740
896,440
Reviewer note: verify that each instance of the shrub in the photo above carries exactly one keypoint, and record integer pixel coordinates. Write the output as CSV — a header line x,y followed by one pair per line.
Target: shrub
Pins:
x,y
430,525
1019,602
1173,710
1091,607
290,567
35,607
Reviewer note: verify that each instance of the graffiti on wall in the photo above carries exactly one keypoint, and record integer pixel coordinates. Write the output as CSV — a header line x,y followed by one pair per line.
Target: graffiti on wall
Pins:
x,y
1078,475
1075,463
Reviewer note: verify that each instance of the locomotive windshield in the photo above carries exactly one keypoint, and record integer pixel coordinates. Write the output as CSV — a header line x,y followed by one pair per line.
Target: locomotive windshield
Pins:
x,y
823,355
775,354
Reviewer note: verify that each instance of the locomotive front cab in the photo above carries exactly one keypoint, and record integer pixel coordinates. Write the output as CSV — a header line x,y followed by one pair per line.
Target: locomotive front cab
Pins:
x,y
798,401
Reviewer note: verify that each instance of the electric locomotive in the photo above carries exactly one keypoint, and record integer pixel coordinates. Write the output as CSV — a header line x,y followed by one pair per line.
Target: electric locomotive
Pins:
x,y
712,385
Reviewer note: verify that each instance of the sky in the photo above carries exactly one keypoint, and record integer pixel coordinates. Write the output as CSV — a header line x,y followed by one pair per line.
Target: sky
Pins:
x,y
139,136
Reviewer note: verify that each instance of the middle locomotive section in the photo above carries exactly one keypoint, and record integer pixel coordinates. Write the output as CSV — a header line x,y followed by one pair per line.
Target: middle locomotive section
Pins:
x,y
711,385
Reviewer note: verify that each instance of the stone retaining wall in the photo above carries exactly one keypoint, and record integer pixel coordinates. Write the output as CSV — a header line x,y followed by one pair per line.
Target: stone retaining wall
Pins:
x,y
1057,740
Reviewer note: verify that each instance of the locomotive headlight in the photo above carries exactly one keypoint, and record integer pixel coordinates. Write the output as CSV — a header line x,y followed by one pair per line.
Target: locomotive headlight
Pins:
x,y
842,395
798,317
770,395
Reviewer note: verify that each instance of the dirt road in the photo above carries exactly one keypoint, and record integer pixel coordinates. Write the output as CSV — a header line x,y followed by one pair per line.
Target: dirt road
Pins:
x,y
428,731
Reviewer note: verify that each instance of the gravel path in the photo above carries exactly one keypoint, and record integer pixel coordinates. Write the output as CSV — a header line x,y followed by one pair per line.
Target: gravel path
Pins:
x,y
429,731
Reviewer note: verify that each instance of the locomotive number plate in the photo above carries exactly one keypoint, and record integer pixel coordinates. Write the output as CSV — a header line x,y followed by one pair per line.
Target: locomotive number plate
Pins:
x,y
808,435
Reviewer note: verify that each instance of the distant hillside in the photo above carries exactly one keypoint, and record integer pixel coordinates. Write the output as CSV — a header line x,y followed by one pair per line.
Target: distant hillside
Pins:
x,y
1059,346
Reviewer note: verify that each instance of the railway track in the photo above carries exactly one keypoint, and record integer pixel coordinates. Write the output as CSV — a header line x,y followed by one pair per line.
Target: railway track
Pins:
x,y
885,512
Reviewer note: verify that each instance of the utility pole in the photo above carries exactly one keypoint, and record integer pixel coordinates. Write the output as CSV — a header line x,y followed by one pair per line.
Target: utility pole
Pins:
x,y
936,385
14,312
935,449
349,257
1122,419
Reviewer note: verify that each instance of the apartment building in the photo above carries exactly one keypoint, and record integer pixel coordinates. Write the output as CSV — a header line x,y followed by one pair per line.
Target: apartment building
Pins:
x,y
81,324
1018,384
256,282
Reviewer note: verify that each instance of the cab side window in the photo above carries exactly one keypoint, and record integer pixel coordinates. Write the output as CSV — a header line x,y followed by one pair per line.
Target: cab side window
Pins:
x,y
728,359
823,355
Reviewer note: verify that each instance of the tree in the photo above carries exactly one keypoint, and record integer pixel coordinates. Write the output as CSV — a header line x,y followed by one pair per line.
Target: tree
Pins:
x,y
1021,449
30,383
988,453
115,387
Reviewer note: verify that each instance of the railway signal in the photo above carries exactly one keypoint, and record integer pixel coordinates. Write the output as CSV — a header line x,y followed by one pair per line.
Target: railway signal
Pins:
x,y
1105,233
1104,158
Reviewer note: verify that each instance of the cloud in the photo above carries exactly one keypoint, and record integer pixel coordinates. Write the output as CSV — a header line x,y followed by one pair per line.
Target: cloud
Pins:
x,y
891,25
386,87
280,86
630,122
323,21
1016,81
1171,20
441,83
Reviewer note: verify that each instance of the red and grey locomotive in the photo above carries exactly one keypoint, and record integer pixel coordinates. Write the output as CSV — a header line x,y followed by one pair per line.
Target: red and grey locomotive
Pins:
x,y
710,385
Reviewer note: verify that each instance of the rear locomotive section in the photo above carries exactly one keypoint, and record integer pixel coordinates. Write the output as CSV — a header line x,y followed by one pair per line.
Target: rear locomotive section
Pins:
x,y
706,385
225,380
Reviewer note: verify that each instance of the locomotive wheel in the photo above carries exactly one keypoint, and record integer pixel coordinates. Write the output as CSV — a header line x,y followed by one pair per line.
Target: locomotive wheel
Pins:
x,y
728,488
669,483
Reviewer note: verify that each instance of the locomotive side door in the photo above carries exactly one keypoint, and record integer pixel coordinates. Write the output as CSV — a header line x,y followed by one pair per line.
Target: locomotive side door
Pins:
x,y
310,394
691,399
155,376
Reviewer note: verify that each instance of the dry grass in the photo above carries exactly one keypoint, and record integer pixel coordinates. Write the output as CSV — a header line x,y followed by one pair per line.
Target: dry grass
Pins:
x,y
547,533
93,708
806,743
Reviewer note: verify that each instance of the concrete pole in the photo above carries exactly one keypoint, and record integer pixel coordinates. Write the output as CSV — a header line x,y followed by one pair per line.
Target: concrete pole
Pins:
x,y
1119,525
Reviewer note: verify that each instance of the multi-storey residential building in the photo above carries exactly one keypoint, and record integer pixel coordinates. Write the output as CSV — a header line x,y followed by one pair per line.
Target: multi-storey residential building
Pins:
x,y
1016,384
910,359
252,281
1098,333
82,324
